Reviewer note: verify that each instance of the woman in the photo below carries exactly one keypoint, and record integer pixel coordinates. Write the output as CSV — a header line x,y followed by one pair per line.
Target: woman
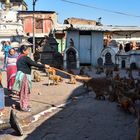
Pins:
x,y
6,49
11,69
23,82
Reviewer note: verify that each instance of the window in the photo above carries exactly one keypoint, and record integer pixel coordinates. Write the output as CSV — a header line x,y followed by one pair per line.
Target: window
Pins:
x,y
39,25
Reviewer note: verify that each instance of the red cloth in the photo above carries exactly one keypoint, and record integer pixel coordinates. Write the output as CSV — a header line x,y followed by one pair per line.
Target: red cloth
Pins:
x,y
11,74
21,56
24,94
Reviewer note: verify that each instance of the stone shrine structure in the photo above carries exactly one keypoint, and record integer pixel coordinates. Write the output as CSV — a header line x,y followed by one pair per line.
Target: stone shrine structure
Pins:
x,y
71,57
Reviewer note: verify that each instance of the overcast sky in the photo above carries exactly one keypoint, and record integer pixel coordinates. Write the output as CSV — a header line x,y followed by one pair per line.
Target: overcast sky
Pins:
x,y
93,9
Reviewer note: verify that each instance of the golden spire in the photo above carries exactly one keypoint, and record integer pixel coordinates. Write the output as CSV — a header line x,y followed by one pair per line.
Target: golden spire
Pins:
x,y
7,4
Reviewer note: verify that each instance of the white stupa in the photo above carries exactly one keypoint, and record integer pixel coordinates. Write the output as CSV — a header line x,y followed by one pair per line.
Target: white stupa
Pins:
x,y
11,28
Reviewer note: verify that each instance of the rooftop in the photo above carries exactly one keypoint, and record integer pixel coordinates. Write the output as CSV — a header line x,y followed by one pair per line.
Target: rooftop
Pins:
x,y
121,28
96,28
37,12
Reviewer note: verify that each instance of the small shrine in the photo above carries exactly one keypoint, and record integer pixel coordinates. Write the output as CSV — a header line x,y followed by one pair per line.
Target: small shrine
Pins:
x,y
71,57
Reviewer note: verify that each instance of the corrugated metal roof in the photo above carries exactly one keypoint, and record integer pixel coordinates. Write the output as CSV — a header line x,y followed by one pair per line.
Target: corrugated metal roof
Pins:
x,y
87,28
121,28
96,28
79,27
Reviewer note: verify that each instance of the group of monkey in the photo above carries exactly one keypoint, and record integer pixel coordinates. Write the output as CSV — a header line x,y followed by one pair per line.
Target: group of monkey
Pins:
x,y
125,91
51,73
52,76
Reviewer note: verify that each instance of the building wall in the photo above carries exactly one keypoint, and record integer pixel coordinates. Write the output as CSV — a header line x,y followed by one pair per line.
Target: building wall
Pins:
x,y
97,46
80,21
137,58
61,44
75,37
49,21
27,24
123,58
60,36
125,36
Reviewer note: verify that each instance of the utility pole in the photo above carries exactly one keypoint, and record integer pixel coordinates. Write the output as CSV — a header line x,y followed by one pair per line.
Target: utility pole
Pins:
x,y
34,2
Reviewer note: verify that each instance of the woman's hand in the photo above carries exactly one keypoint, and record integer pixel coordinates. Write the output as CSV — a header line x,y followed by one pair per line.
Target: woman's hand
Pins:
x,y
47,66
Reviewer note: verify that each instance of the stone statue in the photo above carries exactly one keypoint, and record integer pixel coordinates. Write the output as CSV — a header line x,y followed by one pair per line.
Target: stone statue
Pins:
x,y
71,42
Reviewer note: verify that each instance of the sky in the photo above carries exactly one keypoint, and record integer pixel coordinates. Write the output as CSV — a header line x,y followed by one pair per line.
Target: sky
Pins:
x,y
94,10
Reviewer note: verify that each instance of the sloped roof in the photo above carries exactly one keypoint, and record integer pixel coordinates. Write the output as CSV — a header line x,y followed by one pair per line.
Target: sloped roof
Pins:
x,y
36,12
86,28
96,28
121,28
78,27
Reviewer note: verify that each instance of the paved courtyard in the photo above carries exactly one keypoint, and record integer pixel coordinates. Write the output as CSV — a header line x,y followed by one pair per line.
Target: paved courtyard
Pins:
x,y
83,119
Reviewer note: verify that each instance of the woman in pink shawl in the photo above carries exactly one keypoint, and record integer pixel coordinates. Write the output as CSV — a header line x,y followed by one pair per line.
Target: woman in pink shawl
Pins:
x,y
11,68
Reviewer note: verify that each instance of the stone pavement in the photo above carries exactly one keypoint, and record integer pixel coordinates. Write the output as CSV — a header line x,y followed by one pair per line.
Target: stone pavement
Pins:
x,y
87,119
83,119
42,96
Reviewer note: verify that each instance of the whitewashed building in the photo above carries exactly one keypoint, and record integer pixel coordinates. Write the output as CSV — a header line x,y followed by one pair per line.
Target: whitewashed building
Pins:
x,y
87,40
126,37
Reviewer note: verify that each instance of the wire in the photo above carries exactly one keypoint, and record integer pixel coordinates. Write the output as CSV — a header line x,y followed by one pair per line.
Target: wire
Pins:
x,y
101,9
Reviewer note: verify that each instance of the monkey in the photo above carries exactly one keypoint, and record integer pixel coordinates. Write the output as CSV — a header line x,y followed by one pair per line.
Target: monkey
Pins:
x,y
130,83
126,103
36,76
55,79
133,94
70,71
115,90
72,80
113,96
116,68
101,86
82,71
109,73
50,71
99,70
99,95
88,83
138,128
117,77
89,68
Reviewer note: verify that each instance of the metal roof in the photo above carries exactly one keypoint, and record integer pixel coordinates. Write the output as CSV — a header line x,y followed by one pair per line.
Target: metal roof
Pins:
x,y
96,28
70,27
121,28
